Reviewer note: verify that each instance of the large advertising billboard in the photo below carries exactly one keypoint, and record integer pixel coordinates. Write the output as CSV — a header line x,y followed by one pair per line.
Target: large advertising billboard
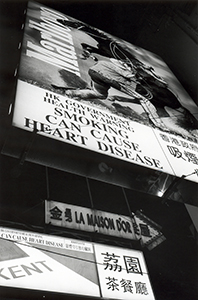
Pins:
x,y
81,86
36,261
41,262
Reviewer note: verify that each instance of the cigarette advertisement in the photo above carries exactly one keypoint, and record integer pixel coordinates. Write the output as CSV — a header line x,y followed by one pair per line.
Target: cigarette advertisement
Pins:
x,y
34,261
84,87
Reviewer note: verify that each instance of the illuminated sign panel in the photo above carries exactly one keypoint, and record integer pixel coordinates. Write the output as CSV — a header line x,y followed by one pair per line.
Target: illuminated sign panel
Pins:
x,y
84,87
50,263
77,123
42,262
122,273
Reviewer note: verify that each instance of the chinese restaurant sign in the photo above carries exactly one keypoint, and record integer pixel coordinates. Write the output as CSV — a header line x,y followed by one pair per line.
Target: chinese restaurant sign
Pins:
x,y
136,227
147,231
122,273
81,218
49,263
84,87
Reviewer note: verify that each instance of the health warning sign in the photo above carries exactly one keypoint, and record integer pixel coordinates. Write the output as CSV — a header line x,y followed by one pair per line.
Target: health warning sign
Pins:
x,y
82,125
82,86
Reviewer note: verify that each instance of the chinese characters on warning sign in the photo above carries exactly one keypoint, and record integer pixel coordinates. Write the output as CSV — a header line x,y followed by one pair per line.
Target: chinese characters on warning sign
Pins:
x,y
182,154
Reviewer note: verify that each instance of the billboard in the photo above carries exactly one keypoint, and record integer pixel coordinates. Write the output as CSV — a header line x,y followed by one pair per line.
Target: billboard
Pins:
x,y
49,263
35,261
83,87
